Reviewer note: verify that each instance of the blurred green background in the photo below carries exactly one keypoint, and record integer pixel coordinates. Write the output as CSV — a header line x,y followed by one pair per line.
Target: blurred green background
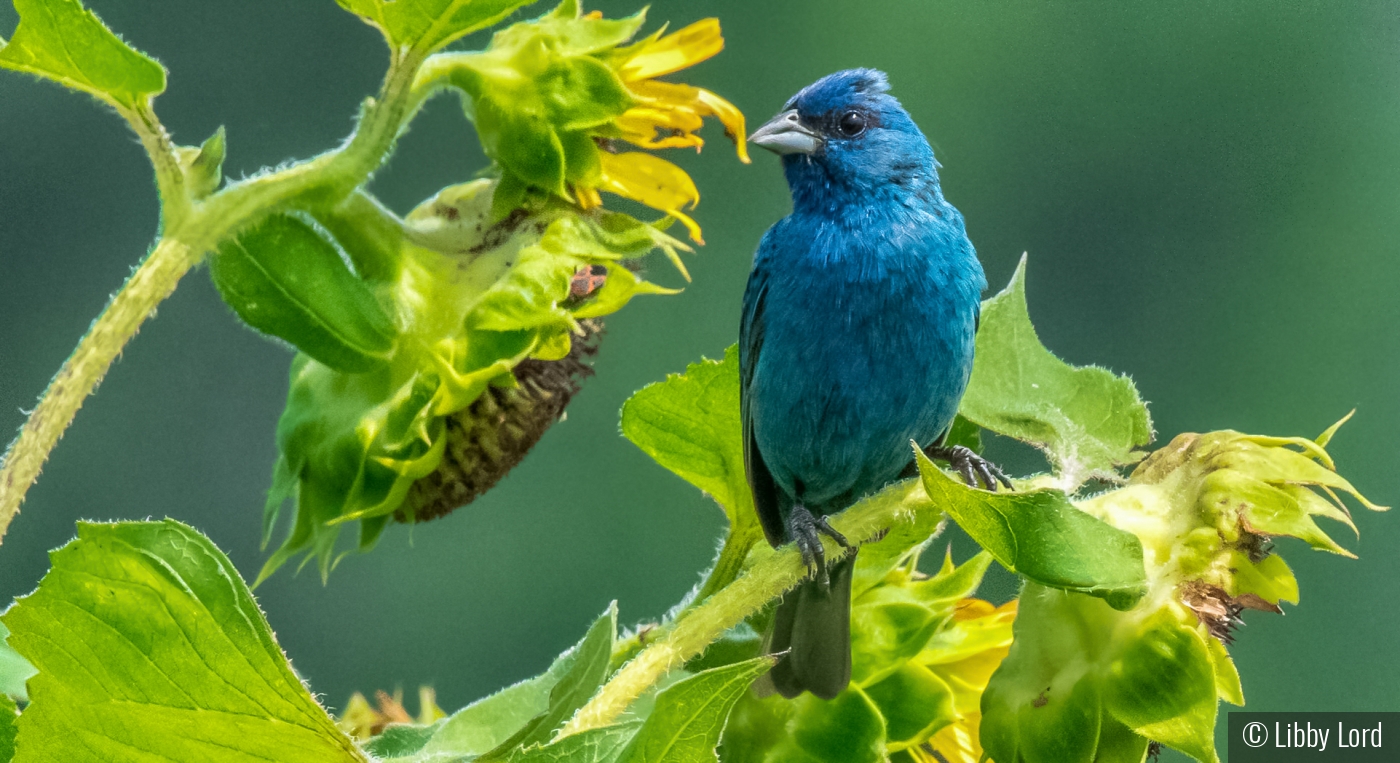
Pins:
x,y
1208,195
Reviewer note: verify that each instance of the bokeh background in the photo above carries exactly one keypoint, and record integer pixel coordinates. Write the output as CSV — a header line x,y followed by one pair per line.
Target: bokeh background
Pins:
x,y
1208,194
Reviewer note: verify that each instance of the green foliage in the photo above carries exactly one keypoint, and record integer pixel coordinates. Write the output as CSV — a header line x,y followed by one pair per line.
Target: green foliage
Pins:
x,y
426,25
685,724
689,424
284,279
1041,535
538,93
149,646
51,32
1087,420
8,729
14,669
1081,671
472,299
914,638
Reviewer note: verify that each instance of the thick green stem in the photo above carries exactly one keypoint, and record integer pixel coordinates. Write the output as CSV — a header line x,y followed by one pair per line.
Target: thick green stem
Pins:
x,y
767,578
191,229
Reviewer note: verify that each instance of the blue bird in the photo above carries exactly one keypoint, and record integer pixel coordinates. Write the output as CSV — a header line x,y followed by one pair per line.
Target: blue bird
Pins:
x,y
856,338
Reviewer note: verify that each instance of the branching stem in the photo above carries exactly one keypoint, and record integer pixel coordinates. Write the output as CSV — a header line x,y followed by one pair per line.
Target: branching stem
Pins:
x,y
190,229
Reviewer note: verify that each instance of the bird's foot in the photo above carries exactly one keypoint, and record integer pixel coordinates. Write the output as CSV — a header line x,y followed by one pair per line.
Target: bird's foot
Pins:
x,y
806,530
971,466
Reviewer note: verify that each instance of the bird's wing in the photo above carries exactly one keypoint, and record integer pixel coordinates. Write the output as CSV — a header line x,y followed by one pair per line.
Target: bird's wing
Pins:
x,y
761,485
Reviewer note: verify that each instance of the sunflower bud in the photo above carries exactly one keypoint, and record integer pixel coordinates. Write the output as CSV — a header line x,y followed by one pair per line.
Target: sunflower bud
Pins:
x,y
1085,682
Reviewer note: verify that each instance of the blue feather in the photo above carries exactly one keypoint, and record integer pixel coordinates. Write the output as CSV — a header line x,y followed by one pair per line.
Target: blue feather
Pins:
x,y
860,313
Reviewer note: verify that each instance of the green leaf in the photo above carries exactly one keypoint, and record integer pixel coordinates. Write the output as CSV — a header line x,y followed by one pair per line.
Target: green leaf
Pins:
x,y
61,40
1086,419
487,723
150,647
689,716
690,424
588,665
1043,537
283,278
603,745
1163,686
8,729
427,25
847,729
14,669
914,702
886,630
399,740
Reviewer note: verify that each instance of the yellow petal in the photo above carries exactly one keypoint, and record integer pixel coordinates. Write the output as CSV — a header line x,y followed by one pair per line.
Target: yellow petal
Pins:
x,y
675,51
729,116
668,119
672,97
588,198
653,181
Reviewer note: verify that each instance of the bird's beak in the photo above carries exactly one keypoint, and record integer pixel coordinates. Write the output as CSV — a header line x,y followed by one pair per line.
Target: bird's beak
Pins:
x,y
785,134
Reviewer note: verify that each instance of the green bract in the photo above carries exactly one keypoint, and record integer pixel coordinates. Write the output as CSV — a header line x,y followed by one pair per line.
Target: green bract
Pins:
x,y
921,650
467,300
1086,683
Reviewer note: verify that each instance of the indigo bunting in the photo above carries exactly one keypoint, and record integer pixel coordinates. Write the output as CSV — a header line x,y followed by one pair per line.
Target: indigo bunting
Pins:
x,y
856,338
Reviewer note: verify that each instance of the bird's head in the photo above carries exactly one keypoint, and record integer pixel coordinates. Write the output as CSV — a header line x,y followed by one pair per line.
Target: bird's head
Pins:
x,y
845,131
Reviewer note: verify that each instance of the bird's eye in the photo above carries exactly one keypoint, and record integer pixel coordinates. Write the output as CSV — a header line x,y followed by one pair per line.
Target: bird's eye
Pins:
x,y
852,124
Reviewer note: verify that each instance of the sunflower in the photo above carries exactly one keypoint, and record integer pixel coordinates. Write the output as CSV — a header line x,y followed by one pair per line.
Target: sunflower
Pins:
x,y
557,101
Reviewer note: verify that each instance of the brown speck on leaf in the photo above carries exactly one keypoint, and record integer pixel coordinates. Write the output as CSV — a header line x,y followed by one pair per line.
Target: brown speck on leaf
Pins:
x,y
644,632
1041,699
451,213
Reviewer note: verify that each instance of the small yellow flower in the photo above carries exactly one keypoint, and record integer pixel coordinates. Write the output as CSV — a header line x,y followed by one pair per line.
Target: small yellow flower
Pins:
x,y
666,115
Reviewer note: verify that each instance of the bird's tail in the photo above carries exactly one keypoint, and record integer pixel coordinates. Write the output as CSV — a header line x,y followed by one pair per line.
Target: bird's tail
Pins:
x,y
812,625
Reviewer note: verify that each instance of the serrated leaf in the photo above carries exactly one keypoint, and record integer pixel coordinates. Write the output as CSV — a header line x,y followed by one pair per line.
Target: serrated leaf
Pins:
x,y
8,729
689,716
588,665
603,745
427,25
1042,536
1086,419
14,669
283,278
63,41
487,723
150,647
690,424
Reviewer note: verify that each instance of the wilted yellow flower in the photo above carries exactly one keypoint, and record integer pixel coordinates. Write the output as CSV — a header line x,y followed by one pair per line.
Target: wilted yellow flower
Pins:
x,y
666,115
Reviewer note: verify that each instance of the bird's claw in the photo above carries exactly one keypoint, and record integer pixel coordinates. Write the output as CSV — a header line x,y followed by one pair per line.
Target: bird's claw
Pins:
x,y
971,466
806,530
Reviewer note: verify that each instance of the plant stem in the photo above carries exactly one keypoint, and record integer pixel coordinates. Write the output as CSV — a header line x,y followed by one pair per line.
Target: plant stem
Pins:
x,y
190,230
766,579
152,282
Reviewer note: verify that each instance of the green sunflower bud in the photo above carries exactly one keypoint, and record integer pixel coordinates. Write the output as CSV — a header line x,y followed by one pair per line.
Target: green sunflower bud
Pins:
x,y
493,323
1085,682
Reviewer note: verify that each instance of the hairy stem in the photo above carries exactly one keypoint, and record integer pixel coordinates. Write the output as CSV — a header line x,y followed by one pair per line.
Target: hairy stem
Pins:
x,y
152,282
190,229
767,578
730,562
